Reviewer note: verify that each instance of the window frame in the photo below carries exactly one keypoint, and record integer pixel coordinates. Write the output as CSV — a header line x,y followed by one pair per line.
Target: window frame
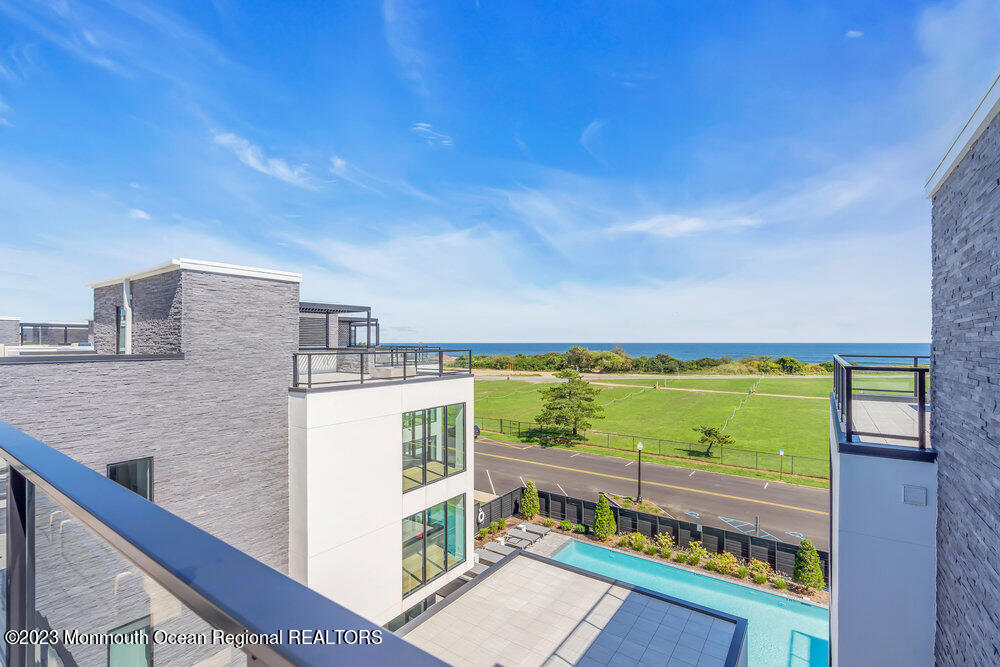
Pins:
x,y
121,329
448,471
137,460
423,541
148,619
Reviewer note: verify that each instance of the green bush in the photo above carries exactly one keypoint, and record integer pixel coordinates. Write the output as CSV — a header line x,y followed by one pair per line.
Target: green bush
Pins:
x,y
566,524
694,559
529,502
665,552
482,533
624,541
780,583
723,563
697,550
494,526
710,565
580,528
664,540
742,572
808,569
604,519
549,522
759,567
638,541
680,557
760,579
651,550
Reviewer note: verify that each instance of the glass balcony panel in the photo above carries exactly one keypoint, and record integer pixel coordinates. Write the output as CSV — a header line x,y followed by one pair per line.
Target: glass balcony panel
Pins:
x,y
456,531
413,552
456,438
436,426
436,533
83,584
413,449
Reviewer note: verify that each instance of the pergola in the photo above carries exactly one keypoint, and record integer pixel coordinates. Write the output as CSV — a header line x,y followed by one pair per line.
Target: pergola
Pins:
x,y
327,309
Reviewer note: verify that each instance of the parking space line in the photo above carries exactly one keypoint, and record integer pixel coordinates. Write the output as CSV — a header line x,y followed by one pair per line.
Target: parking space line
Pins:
x,y
490,477
562,489
629,463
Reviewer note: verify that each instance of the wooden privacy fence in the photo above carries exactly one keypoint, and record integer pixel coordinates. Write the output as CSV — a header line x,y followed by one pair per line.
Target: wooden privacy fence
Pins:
x,y
778,555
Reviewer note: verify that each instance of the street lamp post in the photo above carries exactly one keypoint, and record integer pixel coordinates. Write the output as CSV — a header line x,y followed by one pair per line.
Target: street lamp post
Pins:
x,y
638,493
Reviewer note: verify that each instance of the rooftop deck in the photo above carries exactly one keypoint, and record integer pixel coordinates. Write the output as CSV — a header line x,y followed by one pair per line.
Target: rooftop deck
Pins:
x,y
376,365
556,614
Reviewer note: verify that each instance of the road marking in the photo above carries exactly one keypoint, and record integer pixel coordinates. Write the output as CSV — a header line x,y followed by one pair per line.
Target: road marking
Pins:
x,y
519,477
577,454
489,477
629,463
497,443
692,473
765,484
668,486
562,489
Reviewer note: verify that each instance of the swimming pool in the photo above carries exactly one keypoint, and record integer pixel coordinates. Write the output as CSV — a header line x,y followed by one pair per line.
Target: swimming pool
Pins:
x,y
779,631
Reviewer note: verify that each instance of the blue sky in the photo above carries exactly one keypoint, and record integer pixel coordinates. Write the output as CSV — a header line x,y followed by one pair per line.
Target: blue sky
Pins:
x,y
490,171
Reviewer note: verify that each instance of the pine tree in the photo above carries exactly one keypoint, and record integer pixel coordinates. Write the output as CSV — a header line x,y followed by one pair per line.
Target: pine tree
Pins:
x,y
808,570
604,519
570,404
529,501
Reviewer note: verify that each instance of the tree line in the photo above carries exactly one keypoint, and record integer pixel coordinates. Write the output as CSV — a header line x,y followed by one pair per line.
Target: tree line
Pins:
x,y
618,360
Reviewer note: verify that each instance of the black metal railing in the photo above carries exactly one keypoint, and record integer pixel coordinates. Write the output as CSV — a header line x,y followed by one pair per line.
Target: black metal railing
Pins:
x,y
85,554
856,377
362,366
53,333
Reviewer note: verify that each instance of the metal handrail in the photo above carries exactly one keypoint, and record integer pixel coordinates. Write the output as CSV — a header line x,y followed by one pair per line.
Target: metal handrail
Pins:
x,y
394,363
225,587
845,390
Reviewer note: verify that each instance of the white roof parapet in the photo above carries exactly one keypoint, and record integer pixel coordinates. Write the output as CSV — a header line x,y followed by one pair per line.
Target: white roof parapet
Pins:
x,y
982,116
9,317
201,265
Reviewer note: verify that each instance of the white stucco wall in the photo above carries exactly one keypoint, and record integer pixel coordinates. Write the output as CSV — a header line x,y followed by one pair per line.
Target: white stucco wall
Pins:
x,y
346,502
882,604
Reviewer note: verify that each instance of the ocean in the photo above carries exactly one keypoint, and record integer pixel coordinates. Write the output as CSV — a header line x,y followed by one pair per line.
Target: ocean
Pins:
x,y
807,352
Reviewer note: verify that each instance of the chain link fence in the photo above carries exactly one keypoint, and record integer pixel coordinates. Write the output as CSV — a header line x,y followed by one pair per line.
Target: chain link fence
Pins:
x,y
732,456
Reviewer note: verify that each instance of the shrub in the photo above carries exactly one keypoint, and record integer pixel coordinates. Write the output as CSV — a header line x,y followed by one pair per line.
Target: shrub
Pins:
x,y
723,563
494,526
742,572
780,583
580,528
808,570
664,540
483,533
529,501
694,559
651,549
566,524
710,565
697,550
638,541
760,579
758,567
550,522
604,519
680,557
624,541
665,552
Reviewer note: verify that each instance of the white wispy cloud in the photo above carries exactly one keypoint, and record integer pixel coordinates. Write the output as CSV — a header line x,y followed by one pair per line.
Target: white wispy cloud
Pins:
x,y
401,20
590,137
853,34
427,132
672,225
138,214
253,156
355,175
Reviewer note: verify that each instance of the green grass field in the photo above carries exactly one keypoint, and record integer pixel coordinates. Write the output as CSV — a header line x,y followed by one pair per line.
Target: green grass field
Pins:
x,y
799,426
816,387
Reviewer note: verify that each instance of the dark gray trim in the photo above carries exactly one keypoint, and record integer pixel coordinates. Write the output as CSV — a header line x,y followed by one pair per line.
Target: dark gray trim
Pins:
x,y
86,358
377,383
735,646
322,308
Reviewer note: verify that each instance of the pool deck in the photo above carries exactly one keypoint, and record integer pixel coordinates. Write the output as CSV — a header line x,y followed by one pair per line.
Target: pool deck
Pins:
x,y
530,610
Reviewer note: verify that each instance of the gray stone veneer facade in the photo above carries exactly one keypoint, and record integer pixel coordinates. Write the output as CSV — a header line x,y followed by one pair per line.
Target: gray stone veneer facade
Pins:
x,y
10,332
215,422
965,400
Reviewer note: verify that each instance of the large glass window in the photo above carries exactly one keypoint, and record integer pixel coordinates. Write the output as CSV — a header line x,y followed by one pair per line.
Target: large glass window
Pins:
x,y
433,444
131,651
136,476
121,320
433,543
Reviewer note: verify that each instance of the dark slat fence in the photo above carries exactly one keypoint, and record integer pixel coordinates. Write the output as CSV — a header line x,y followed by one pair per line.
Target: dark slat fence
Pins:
x,y
779,555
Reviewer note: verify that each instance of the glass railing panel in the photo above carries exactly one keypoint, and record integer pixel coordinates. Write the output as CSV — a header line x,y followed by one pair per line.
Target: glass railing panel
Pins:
x,y
83,585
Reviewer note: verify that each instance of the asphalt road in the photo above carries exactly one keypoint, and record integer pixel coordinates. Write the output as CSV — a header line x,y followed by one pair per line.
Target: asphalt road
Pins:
x,y
787,512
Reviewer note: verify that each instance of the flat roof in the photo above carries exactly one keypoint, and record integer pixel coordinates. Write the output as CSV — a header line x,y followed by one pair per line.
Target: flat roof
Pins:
x,y
981,117
332,308
528,609
202,265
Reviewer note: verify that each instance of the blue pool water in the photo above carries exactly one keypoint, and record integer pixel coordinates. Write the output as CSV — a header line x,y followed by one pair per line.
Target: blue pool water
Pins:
x,y
779,631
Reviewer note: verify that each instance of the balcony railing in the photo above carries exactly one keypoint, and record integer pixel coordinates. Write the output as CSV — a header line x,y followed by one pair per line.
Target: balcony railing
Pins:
x,y
364,366
86,557
882,399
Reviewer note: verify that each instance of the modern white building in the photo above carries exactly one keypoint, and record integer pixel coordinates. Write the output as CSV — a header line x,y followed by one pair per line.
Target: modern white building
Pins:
x,y
278,426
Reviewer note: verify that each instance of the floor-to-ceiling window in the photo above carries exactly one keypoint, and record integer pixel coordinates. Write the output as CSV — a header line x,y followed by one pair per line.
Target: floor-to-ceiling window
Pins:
x,y
433,444
433,543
